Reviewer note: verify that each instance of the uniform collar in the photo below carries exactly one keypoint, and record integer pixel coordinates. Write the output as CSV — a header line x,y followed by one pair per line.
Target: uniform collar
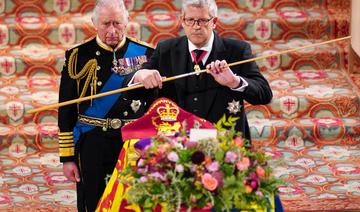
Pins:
x,y
108,48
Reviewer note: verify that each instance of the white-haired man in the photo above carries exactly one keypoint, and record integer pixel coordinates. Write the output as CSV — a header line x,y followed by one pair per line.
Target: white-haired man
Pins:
x,y
208,96
90,137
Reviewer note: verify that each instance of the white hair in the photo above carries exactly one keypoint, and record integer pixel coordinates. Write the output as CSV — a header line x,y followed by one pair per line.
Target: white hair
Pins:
x,y
109,4
201,3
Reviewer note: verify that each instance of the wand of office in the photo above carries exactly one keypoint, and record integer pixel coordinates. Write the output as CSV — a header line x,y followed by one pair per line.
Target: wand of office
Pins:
x,y
136,86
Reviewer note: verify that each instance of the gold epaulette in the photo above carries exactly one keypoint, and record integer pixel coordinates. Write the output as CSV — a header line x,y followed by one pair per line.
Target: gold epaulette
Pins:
x,y
66,144
140,42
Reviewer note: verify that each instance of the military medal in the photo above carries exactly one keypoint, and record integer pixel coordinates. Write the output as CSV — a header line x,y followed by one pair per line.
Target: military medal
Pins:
x,y
115,63
197,68
135,105
234,107
130,64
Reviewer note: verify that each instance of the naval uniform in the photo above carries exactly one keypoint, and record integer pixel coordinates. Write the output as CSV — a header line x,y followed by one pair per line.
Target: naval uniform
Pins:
x,y
90,132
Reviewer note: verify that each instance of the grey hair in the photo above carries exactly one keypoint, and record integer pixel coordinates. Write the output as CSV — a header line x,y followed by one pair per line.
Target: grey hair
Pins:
x,y
201,3
109,4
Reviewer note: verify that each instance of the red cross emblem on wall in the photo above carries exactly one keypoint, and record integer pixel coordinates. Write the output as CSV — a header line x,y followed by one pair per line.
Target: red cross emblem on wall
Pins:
x,y
67,34
289,104
262,29
61,6
7,66
15,110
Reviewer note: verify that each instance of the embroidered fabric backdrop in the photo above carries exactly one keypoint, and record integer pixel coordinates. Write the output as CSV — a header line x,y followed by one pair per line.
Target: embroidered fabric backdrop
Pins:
x,y
312,122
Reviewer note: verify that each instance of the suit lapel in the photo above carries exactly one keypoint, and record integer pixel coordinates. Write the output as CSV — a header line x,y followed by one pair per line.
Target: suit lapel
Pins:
x,y
218,52
179,56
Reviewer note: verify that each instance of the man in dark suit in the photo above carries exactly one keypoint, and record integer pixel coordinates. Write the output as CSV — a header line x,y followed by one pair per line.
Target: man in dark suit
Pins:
x,y
209,96
89,137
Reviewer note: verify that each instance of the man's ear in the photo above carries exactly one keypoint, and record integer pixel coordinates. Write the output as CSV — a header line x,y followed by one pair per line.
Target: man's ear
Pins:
x,y
181,20
214,20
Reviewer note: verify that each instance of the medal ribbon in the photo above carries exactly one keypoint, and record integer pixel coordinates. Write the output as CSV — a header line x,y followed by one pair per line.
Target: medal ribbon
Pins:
x,y
198,55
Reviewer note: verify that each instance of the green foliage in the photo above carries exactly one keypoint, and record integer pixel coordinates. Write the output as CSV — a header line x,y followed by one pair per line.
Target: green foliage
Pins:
x,y
223,173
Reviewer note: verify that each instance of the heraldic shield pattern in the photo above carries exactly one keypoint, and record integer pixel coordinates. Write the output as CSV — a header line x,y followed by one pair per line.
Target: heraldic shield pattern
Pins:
x,y
312,124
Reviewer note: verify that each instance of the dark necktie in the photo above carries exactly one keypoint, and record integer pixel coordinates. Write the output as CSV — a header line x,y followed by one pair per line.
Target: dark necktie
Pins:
x,y
198,56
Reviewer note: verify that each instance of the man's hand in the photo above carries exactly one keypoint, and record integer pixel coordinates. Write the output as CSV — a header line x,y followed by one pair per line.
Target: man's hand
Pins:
x,y
150,78
223,74
71,171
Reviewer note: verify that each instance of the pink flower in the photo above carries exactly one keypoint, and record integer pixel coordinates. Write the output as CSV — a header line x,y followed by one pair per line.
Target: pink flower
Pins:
x,y
193,199
209,182
190,144
230,157
143,179
260,171
254,184
243,164
157,175
259,193
173,156
239,141
219,176
213,166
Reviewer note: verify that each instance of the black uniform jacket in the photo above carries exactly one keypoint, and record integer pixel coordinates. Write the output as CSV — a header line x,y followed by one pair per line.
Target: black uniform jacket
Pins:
x,y
70,88
202,95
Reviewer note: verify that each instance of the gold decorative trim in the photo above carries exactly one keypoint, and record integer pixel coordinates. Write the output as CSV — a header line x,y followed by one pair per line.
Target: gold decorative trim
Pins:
x,y
61,141
89,71
66,152
66,137
65,133
108,48
140,42
66,145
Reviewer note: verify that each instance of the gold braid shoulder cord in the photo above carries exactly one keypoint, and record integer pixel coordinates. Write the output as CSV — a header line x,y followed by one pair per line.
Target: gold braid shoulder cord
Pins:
x,y
89,70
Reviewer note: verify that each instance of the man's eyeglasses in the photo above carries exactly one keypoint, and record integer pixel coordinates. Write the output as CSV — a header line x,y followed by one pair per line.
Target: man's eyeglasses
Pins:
x,y
200,22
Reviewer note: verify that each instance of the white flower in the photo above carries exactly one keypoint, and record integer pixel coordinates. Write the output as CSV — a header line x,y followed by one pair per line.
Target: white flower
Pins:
x,y
173,156
179,168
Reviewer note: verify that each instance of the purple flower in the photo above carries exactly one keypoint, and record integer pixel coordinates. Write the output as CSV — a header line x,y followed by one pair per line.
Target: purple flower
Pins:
x,y
141,144
213,166
173,156
142,170
198,157
230,157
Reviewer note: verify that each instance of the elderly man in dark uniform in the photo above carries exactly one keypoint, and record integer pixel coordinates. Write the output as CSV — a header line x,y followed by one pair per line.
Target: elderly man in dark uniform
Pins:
x,y
90,137
208,96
